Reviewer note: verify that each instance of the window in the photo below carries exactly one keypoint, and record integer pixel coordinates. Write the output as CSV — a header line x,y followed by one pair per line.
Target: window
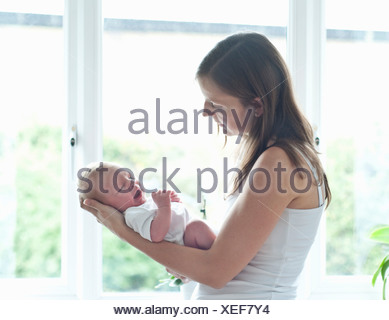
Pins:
x,y
355,131
151,53
147,60
32,103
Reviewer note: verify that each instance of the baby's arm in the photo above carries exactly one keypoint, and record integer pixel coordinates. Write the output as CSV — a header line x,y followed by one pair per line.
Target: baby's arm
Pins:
x,y
161,223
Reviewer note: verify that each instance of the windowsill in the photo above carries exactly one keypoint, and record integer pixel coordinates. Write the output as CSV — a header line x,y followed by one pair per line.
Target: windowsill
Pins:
x,y
330,288
55,288
346,288
142,296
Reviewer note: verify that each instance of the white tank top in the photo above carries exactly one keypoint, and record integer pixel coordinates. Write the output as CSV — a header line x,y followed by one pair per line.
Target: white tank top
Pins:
x,y
274,271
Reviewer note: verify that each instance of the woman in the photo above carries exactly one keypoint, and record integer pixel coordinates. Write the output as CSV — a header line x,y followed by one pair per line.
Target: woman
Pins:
x,y
278,198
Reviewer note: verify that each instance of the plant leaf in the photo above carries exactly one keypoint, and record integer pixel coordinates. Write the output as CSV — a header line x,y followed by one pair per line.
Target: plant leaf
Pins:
x,y
384,269
384,290
172,281
373,281
375,276
380,235
175,283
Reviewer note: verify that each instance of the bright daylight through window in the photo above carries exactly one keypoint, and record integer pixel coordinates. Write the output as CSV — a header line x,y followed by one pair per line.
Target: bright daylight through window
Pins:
x,y
32,98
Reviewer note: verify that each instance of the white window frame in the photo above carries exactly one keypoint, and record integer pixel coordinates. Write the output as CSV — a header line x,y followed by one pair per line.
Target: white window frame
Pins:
x,y
83,25
81,236
81,243
306,58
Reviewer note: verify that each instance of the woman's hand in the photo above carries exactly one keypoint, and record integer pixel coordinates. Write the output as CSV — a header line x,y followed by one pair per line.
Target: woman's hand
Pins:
x,y
114,221
106,215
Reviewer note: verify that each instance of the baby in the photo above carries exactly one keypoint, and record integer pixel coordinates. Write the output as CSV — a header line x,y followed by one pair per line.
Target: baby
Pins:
x,y
161,217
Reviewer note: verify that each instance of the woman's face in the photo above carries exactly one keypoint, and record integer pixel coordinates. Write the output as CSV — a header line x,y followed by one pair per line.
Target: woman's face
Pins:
x,y
226,110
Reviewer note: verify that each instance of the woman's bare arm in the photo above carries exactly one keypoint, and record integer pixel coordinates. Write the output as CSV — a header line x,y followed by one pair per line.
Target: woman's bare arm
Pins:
x,y
247,227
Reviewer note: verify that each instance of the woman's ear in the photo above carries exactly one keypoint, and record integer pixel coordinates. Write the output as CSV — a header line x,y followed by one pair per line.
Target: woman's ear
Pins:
x,y
258,107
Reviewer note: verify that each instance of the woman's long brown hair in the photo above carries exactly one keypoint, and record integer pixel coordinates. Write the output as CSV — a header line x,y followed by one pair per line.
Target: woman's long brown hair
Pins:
x,y
248,66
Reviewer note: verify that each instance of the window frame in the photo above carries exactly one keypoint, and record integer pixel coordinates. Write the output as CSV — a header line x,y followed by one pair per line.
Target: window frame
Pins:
x,y
306,58
81,275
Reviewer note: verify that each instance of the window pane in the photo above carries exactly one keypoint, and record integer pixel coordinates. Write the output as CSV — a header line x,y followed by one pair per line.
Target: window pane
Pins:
x,y
355,116
152,51
31,100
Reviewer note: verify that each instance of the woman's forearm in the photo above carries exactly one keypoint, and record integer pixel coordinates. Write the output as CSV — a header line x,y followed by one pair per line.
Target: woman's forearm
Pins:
x,y
192,263
243,233
204,266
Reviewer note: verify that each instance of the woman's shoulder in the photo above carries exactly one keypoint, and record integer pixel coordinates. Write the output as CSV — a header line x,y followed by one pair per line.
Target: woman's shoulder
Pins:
x,y
275,172
274,150
274,156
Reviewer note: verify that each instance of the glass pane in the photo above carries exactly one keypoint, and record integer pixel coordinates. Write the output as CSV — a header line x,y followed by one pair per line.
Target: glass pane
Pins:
x,y
31,102
355,116
152,51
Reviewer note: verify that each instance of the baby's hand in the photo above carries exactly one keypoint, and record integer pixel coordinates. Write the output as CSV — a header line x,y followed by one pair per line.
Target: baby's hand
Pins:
x,y
174,197
161,198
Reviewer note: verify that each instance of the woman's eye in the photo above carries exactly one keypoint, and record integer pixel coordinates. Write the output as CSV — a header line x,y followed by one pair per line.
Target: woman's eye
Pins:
x,y
211,105
216,106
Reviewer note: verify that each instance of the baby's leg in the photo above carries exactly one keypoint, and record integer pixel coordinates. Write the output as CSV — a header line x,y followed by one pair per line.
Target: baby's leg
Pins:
x,y
198,235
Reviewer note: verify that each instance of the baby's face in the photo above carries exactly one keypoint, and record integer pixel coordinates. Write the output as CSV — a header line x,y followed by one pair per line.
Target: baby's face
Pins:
x,y
123,190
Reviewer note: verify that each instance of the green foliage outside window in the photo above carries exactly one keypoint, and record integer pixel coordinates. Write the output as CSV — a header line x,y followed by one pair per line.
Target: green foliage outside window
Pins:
x,y
37,240
348,251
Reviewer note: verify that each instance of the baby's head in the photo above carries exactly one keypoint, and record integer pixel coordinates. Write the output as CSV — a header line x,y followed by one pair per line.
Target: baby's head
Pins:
x,y
110,184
